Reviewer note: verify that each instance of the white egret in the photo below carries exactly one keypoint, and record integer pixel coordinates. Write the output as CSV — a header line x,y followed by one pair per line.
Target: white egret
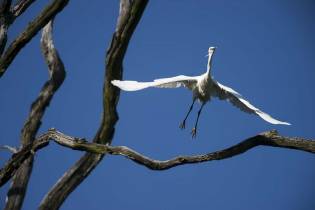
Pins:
x,y
203,88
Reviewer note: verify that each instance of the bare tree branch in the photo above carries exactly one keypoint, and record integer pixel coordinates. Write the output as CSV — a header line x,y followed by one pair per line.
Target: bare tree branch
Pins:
x,y
8,15
4,22
129,16
269,138
57,74
20,7
31,30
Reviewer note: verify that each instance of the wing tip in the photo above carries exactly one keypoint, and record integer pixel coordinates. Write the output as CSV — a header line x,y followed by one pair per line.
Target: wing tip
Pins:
x,y
285,123
277,122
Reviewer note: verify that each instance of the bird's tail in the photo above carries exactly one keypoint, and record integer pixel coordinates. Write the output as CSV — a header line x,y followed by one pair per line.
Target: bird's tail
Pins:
x,y
131,85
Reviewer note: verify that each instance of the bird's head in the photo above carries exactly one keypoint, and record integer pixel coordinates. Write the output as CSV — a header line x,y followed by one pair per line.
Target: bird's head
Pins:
x,y
211,51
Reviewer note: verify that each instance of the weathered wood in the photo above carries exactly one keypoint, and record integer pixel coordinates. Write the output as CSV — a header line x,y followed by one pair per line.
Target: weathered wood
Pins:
x,y
57,74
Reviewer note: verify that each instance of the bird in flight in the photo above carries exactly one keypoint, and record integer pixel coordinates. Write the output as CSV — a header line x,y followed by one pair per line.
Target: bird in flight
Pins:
x,y
203,88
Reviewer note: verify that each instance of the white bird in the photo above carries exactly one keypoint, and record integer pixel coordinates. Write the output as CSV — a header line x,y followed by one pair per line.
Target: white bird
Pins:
x,y
203,88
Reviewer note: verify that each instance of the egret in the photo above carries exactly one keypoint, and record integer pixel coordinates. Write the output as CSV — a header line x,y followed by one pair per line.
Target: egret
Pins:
x,y
203,88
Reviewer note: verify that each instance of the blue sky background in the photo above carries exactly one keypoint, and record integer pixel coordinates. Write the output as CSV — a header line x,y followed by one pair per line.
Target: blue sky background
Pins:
x,y
265,51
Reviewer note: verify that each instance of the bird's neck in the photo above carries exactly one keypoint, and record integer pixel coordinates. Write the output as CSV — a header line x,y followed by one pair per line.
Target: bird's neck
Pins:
x,y
208,73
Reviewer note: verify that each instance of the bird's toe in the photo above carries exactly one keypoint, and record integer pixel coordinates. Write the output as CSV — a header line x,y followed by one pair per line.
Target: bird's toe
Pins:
x,y
194,133
182,125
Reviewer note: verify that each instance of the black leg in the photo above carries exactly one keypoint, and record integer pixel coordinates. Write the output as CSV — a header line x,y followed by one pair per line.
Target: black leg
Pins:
x,y
194,130
182,125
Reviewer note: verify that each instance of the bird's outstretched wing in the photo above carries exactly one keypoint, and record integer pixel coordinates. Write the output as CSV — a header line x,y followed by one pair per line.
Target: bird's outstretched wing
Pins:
x,y
172,82
227,93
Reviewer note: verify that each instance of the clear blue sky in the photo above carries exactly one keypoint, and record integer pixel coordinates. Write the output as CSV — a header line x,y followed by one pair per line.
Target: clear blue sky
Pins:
x,y
266,51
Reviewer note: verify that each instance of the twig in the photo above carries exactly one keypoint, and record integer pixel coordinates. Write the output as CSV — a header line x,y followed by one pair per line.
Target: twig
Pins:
x,y
9,148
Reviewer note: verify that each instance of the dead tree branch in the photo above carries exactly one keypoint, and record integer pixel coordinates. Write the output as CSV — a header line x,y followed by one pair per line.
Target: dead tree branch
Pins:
x,y
57,74
31,30
269,138
5,15
129,16
8,15
20,7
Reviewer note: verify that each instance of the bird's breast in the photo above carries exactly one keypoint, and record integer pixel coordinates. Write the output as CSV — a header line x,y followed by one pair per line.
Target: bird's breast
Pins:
x,y
202,91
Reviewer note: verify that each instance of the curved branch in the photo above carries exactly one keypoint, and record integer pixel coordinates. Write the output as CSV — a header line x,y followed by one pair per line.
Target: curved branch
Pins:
x,y
129,16
31,30
57,74
269,138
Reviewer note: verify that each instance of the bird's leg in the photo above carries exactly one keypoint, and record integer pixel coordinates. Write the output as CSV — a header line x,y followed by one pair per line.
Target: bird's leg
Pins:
x,y
182,125
194,130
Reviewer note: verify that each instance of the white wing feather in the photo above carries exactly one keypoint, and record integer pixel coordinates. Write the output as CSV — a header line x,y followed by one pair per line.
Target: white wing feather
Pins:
x,y
172,82
227,93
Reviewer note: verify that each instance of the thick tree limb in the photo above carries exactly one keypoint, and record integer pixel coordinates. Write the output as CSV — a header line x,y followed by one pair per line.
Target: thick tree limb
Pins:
x,y
31,30
269,138
129,16
57,74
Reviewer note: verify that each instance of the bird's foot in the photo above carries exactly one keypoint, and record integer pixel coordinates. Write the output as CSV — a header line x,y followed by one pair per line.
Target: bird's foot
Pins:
x,y
194,133
182,125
